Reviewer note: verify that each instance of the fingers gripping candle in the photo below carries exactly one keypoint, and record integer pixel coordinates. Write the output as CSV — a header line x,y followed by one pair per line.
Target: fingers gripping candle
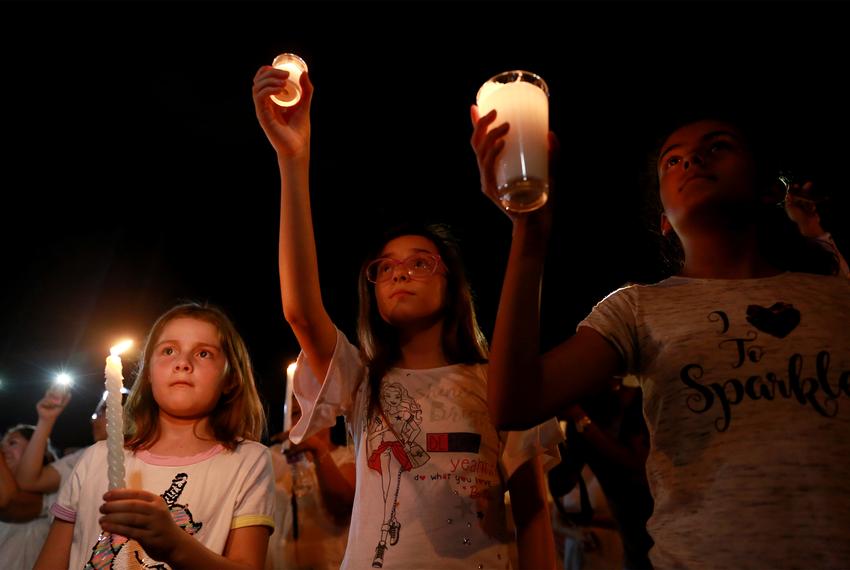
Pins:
x,y
115,415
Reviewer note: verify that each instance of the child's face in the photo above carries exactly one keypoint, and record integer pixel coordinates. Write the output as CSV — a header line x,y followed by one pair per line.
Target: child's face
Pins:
x,y
402,300
187,368
702,164
12,447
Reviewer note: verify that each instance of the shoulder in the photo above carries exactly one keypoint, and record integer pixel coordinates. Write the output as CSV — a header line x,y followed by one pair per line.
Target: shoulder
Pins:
x,y
248,448
64,465
95,452
477,370
251,455
827,282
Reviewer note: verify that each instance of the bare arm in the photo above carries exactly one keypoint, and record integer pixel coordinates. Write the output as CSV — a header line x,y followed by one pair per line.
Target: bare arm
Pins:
x,y
630,456
336,483
288,130
56,552
337,486
524,389
535,540
33,474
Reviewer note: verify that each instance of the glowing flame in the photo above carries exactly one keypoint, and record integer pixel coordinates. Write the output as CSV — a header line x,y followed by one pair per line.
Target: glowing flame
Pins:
x,y
120,347
290,370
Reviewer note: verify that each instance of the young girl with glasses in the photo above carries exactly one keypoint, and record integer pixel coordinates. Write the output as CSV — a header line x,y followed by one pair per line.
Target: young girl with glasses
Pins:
x,y
432,470
743,358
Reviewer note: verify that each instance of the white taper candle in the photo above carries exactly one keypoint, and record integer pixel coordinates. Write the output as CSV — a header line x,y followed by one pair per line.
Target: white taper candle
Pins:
x,y
115,416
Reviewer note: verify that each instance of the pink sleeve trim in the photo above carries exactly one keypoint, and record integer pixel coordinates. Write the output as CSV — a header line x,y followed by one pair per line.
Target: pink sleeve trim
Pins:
x,y
63,513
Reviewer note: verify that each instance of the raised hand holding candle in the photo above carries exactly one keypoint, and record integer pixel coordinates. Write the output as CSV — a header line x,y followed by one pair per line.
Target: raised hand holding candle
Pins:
x,y
115,415
61,386
522,168
291,92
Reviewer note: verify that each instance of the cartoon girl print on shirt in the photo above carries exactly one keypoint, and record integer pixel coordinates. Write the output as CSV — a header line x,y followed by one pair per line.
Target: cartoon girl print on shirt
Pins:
x,y
393,449
114,552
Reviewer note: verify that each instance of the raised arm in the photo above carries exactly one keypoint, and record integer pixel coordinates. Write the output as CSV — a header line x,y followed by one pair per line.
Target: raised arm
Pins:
x,y
525,389
33,474
534,537
288,130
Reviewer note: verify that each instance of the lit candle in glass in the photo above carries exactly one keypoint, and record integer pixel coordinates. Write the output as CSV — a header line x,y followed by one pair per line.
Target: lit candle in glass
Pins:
x,y
115,415
520,98
291,92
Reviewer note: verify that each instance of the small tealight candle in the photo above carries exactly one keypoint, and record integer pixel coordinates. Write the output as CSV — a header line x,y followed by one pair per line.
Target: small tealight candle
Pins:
x,y
291,92
115,415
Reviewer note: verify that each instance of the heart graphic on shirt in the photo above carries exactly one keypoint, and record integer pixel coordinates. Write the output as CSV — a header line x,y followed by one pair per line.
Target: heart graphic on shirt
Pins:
x,y
778,320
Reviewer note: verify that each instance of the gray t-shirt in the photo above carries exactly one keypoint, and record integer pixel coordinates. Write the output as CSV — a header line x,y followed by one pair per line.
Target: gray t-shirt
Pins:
x,y
747,399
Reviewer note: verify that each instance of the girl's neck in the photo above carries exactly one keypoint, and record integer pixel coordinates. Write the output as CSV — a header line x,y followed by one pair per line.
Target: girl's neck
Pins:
x,y
421,347
183,437
725,255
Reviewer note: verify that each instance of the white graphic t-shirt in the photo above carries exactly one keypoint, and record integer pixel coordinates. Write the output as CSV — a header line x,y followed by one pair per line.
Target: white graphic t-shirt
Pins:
x,y
208,495
20,543
747,399
431,470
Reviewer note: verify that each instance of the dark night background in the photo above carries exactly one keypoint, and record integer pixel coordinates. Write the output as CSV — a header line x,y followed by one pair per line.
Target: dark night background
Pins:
x,y
135,175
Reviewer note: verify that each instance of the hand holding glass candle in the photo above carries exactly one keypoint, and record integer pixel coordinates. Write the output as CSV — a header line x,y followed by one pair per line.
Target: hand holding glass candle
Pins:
x,y
522,167
291,92
115,415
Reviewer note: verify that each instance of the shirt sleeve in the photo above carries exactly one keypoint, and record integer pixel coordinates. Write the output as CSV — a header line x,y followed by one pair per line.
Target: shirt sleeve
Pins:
x,y
520,446
65,507
615,318
255,503
65,465
828,243
322,402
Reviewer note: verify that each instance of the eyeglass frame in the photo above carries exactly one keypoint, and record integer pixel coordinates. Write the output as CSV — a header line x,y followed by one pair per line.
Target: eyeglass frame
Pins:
x,y
435,256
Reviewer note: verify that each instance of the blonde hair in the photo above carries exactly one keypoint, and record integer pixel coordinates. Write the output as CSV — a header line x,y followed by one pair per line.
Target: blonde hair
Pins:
x,y
238,414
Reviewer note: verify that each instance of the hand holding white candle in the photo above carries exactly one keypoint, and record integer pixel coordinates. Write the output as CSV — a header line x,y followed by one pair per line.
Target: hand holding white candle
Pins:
x,y
115,415
291,92
522,167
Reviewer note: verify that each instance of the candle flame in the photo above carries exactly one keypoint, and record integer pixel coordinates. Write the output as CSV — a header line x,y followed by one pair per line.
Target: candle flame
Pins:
x,y
120,347
290,370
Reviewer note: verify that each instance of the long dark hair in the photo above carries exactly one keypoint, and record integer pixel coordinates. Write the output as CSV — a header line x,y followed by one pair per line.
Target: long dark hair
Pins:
x,y
780,241
463,341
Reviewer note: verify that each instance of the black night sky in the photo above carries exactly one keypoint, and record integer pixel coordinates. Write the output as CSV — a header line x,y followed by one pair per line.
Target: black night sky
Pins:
x,y
135,175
